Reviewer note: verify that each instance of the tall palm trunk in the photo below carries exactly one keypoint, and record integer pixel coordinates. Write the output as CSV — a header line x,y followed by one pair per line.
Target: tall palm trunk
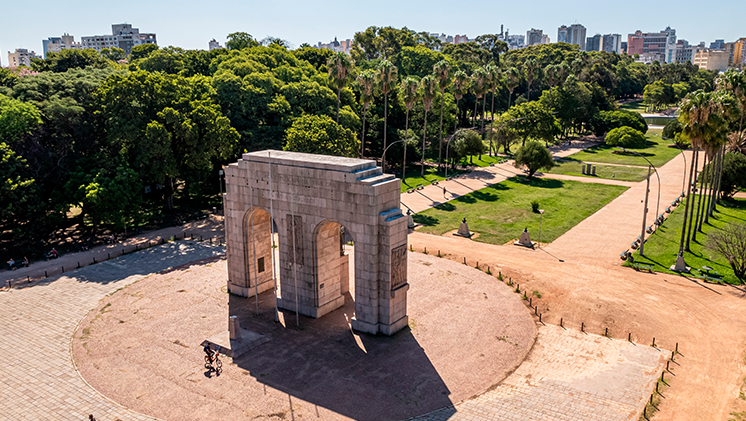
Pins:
x,y
510,95
702,199
528,90
476,102
440,143
721,158
711,182
424,135
406,137
492,122
691,216
686,207
385,121
484,99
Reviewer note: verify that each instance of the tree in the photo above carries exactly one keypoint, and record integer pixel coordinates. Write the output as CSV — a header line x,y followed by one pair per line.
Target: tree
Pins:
x,y
339,65
386,76
735,83
114,54
513,77
468,143
429,91
534,156
70,59
531,70
17,119
493,80
142,51
240,40
442,70
493,44
730,241
734,174
532,120
20,201
478,83
626,137
366,82
604,121
409,93
461,82
321,135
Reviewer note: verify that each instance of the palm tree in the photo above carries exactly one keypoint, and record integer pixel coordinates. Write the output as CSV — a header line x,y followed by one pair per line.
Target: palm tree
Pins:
x,y
409,92
513,77
339,65
386,76
429,85
531,68
478,79
460,88
494,80
552,74
442,70
562,70
700,114
366,82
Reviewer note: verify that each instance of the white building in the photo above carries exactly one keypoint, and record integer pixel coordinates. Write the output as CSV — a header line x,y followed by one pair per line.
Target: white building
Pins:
x,y
57,44
708,59
22,57
122,36
573,34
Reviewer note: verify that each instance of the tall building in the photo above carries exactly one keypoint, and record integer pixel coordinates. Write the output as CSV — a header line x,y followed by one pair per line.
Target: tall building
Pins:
x,y
534,37
460,39
708,59
736,52
123,36
651,46
57,44
515,41
611,43
718,44
340,46
21,57
214,45
685,52
573,34
593,43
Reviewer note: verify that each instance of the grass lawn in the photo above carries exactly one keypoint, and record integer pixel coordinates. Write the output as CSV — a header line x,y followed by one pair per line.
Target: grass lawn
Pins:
x,y
657,151
431,174
573,167
636,106
663,246
484,162
500,212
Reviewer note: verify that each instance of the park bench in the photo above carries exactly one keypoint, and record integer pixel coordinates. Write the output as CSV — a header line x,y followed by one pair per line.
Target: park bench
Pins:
x,y
706,270
712,278
649,229
435,183
624,254
634,244
675,202
668,209
420,187
639,266
410,190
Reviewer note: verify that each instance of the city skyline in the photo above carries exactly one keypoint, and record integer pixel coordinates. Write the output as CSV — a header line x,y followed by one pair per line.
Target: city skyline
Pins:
x,y
187,25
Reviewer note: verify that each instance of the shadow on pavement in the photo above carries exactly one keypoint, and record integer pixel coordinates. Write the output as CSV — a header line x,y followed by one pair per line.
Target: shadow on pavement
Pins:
x,y
364,377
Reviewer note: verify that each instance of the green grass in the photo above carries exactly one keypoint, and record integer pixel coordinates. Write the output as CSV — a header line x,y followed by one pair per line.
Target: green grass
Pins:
x,y
431,174
657,151
573,167
500,212
662,247
484,162
636,106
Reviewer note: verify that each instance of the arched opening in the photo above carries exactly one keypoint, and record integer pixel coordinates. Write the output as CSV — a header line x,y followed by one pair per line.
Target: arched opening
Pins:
x,y
257,243
334,264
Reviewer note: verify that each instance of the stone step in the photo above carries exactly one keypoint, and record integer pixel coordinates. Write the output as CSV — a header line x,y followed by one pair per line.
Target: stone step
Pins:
x,y
368,172
376,179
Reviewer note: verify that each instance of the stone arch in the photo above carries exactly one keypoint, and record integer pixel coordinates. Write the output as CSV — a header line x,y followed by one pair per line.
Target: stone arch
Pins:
x,y
255,254
331,264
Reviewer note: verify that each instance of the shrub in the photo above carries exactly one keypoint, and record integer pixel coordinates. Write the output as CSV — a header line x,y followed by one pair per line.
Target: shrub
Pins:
x,y
534,156
605,121
672,128
468,143
535,206
626,137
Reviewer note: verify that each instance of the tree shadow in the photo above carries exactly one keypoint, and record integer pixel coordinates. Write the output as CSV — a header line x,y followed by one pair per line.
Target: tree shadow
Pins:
x,y
484,196
545,183
425,220
361,376
448,206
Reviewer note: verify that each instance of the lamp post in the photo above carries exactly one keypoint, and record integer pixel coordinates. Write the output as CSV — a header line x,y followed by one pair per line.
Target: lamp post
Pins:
x,y
647,193
541,218
383,157
683,180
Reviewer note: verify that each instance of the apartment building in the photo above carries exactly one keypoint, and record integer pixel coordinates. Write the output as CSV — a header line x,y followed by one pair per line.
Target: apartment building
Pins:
x,y
57,44
535,37
573,34
736,52
123,36
708,59
214,45
652,46
21,57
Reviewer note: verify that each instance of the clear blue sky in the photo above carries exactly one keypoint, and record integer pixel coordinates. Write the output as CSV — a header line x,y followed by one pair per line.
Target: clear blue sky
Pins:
x,y
191,24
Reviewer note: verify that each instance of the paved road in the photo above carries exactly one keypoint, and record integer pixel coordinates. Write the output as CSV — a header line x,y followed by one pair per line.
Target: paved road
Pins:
x,y
38,380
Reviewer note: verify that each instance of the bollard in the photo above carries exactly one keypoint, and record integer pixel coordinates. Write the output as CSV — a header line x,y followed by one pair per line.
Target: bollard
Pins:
x,y
667,363
561,322
94,260
45,274
536,310
477,264
192,236
28,279
200,238
653,342
582,327
607,332
629,337
425,250
656,388
210,240
63,269
672,354
10,285
540,319
464,260
677,348
108,256
137,247
78,265
662,373
530,301
411,247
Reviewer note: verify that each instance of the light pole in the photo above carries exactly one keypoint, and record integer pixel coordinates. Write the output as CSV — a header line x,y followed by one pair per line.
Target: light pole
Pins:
x,y
647,193
541,218
384,156
683,180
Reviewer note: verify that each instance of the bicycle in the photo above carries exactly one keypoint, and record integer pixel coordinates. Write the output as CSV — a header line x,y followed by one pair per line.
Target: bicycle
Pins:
x,y
213,363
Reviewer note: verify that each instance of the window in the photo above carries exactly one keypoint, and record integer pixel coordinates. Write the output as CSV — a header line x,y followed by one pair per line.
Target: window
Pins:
x,y
260,265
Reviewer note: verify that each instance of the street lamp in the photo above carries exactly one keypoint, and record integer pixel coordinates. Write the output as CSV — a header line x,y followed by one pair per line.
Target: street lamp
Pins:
x,y
683,180
383,157
647,193
541,218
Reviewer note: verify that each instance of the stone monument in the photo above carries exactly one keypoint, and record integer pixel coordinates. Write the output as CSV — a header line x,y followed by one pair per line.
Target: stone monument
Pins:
x,y
463,230
525,239
304,201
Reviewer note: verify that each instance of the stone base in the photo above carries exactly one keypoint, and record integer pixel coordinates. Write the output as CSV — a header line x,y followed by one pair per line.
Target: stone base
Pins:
x,y
518,243
314,312
680,265
234,348
249,292
463,235
388,330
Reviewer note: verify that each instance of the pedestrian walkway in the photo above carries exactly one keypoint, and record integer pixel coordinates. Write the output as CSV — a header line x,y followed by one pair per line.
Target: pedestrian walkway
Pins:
x,y
568,376
38,379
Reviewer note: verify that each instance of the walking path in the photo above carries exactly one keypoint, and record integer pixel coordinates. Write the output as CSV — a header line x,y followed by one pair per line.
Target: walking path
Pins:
x,y
569,376
38,380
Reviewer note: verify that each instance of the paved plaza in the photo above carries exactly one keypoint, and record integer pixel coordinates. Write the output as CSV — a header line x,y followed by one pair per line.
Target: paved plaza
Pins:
x,y
569,376
38,380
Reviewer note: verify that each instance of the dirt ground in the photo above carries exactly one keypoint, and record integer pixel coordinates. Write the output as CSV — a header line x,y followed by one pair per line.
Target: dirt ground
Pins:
x,y
140,347
707,321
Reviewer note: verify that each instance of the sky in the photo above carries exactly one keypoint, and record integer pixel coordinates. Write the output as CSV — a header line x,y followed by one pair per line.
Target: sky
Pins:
x,y
191,24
